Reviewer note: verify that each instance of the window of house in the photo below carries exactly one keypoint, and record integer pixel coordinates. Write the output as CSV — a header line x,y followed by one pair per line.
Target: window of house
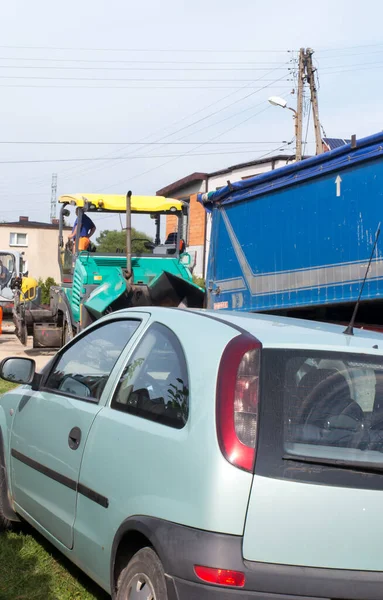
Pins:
x,y
23,265
18,239
83,369
154,384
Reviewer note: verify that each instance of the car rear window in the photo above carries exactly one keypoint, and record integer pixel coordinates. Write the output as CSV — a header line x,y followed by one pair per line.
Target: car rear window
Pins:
x,y
321,408
333,407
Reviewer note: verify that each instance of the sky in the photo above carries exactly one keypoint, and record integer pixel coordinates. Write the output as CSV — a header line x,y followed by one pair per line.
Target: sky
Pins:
x,y
117,83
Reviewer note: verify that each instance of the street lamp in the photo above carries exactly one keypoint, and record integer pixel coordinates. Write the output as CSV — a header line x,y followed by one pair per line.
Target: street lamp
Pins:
x,y
277,101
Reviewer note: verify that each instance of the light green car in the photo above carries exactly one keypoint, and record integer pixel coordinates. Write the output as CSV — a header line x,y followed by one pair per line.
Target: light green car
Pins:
x,y
193,455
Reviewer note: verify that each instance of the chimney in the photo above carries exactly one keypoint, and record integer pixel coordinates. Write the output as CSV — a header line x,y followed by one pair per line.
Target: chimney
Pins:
x,y
23,219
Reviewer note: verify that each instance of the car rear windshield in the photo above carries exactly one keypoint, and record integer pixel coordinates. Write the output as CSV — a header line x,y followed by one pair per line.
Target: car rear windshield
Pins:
x,y
332,405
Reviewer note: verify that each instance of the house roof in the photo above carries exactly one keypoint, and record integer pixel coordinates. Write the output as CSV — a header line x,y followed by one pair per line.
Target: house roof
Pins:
x,y
180,183
253,163
32,225
172,188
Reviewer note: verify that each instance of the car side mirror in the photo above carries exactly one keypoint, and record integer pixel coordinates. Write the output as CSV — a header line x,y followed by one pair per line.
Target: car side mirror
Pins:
x,y
18,370
70,385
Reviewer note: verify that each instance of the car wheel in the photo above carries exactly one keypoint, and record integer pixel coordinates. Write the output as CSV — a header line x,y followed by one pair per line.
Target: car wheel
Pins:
x,y
143,578
5,524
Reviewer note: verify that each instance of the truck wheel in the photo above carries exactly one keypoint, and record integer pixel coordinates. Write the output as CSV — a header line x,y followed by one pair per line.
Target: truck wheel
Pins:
x,y
143,578
67,332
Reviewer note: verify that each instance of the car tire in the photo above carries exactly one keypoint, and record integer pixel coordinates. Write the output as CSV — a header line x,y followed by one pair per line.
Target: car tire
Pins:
x,y
143,578
5,524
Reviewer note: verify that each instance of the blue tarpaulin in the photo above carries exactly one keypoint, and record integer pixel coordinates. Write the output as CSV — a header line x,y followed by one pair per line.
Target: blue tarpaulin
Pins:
x,y
366,149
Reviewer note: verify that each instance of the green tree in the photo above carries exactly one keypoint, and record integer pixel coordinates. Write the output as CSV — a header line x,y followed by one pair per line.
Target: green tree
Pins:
x,y
112,241
45,287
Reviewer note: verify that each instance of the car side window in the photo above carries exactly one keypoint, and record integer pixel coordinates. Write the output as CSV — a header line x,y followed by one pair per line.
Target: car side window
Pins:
x,y
154,384
83,369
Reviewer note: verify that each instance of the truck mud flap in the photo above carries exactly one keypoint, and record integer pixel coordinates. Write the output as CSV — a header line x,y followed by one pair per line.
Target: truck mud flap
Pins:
x,y
170,290
47,335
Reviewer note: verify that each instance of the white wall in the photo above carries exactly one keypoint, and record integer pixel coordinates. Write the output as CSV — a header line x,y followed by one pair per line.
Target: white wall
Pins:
x,y
40,251
217,181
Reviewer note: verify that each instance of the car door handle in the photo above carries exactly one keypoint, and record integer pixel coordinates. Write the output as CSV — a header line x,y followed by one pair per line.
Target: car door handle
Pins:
x,y
74,438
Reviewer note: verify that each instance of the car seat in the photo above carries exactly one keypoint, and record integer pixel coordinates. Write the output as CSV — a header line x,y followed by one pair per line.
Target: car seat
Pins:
x,y
328,415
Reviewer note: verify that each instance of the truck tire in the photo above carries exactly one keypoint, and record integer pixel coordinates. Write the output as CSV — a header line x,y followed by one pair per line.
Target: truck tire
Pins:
x,y
67,332
143,578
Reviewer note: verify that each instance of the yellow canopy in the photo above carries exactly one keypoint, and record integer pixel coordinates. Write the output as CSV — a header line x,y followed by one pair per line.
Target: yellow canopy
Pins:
x,y
117,203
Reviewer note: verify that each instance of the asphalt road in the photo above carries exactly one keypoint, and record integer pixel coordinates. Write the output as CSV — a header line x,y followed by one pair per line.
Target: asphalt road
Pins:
x,y
10,346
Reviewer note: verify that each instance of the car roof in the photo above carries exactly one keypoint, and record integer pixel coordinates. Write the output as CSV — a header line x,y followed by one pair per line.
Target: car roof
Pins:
x,y
277,332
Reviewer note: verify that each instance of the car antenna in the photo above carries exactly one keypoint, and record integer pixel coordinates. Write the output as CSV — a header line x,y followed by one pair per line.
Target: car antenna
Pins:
x,y
350,328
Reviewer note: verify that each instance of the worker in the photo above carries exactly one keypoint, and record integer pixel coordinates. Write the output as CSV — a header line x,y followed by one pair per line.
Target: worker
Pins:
x,y
87,230
4,275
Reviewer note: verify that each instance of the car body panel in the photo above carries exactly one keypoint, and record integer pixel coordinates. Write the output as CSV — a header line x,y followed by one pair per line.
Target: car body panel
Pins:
x,y
40,433
314,525
174,481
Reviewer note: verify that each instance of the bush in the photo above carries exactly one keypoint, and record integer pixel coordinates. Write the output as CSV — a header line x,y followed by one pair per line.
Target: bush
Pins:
x,y
45,287
199,281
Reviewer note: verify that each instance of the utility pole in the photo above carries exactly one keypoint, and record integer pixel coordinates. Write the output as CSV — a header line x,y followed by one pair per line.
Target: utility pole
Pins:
x,y
299,115
314,99
53,196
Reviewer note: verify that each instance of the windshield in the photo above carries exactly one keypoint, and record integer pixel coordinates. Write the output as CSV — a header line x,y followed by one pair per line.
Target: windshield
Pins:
x,y
7,271
332,406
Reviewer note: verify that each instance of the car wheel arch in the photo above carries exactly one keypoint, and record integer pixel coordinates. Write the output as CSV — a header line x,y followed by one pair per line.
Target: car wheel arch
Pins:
x,y
132,535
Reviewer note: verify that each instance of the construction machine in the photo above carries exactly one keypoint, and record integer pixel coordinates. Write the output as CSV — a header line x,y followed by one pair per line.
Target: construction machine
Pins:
x,y
96,283
14,275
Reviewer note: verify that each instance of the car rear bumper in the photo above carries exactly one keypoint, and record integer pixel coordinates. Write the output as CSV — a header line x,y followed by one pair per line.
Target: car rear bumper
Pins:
x,y
179,589
180,548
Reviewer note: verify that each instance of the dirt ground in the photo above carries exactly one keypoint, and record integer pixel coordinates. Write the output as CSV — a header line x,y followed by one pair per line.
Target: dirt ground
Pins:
x,y
10,346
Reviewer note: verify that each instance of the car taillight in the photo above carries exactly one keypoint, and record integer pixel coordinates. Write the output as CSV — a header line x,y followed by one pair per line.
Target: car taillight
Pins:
x,y
220,576
237,400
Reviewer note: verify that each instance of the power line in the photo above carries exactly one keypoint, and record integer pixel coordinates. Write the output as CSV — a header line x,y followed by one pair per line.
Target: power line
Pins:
x,y
183,155
33,77
337,55
352,65
352,70
132,87
132,157
156,62
42,182
107,164
170,50
204,118
276,149
134,143
350,47
70,68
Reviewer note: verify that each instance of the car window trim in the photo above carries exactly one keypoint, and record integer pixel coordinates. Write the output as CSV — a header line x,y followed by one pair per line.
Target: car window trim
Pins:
x,y
69,395
126,362
44,388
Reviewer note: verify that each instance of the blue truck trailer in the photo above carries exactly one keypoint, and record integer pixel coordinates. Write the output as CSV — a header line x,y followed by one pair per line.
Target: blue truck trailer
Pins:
x,y
296,241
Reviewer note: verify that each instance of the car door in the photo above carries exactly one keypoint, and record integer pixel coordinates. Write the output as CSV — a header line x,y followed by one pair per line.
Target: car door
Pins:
x,y
51,426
